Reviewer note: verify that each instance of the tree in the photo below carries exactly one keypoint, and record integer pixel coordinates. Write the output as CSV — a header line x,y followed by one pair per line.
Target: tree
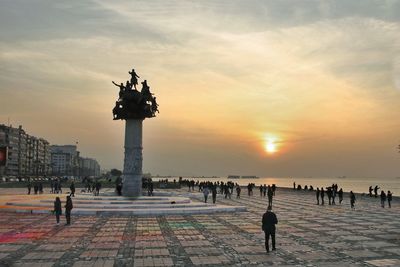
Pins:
x,y
116,172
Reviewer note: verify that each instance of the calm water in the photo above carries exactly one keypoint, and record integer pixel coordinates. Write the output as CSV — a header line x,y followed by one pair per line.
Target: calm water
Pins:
x,y
358,185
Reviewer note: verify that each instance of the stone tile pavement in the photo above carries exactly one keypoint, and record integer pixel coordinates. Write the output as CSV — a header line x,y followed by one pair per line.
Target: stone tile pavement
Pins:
x,y
307,235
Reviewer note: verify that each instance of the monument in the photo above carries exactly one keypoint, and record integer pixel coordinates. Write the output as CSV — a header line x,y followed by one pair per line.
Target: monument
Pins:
x,y
133,106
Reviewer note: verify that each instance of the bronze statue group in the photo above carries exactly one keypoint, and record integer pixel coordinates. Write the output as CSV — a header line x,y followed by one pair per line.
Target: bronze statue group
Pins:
x,y
134,104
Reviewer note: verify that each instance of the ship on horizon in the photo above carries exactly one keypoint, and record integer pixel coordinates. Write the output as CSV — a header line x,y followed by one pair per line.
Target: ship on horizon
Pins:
x,y
242,177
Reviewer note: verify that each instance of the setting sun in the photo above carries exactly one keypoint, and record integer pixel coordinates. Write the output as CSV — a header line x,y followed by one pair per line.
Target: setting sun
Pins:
x,y
271,148
270,145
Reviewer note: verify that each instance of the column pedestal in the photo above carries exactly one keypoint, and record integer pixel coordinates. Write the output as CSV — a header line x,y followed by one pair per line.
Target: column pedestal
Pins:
x,y
132,173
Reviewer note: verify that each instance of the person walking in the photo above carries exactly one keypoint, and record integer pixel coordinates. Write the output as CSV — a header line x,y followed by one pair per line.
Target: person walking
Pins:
x,y
352,200
205,193
68,208
322,196
29,185
51,186
214,193
238,190
40,188
329,193
389,198
376,190
97,187
268,226
340,194
317,195
72,188
57,209
383,199
270,195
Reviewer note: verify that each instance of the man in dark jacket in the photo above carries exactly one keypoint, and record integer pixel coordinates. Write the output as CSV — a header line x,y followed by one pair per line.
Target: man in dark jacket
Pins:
x,y
68,208
268,226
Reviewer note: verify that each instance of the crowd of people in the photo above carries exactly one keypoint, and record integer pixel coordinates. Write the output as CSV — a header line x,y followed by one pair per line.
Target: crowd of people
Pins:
x,y
332,192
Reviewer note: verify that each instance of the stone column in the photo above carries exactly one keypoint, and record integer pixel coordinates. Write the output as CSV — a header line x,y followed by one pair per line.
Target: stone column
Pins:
x,y
132,174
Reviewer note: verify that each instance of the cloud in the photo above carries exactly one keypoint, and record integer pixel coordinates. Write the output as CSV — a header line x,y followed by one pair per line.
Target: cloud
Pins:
x,y
225,73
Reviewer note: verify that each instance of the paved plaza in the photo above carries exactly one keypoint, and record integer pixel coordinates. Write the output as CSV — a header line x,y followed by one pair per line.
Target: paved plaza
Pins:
x,y
307,235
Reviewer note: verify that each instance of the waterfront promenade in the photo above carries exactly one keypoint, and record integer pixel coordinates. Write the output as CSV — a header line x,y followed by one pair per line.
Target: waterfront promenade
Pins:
x,y
307,235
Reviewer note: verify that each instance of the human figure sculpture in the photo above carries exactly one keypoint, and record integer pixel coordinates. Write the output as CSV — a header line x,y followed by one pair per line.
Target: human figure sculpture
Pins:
x,y
117,110
134,77
121,89
154,105
128,86
134,104
146,91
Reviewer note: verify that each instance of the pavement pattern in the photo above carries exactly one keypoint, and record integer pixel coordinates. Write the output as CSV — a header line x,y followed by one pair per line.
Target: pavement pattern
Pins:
x,y
307,235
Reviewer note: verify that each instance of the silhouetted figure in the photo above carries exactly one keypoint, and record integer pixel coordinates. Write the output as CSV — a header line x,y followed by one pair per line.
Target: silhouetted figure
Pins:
x,y
36,188
72,188
249,189
134,78
322,196
268,226
59,188
264,190
376,191
294,185
273,187
270,195
389,198
146,91
40,188
51,186
118,185
68,208
238,190
128,86
383,199
340,194
151,188
57,209
261,190
352,200
317,195
121,89
154,105
55,187
97,187
214,194
329,193
29,186
205,193
370,191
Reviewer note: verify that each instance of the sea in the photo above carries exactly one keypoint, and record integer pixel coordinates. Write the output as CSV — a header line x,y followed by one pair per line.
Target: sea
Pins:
x,y
357,185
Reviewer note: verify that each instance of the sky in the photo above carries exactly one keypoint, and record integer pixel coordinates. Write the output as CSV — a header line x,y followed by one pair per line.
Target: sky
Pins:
x,y
250,87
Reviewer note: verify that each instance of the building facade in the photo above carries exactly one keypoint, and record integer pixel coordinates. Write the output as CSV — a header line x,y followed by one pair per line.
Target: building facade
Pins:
x,y
89,167
26,155
65,160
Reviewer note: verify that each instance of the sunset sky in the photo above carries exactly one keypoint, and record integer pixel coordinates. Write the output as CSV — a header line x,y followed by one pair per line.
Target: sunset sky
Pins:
x,y
267,88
